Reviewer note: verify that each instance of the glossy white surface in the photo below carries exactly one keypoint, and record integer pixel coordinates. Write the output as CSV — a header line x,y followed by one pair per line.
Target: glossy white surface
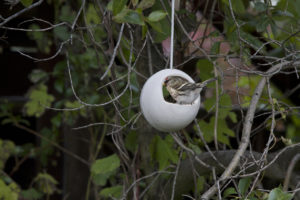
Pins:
x,y
161,114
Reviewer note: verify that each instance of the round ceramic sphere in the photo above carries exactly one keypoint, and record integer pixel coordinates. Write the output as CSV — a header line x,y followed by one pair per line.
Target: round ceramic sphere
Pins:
x,y
163,115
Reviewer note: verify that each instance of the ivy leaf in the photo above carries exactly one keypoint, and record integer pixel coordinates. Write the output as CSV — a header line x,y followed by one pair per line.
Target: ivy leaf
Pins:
x,y
156,16
105,165
162,151
207,129
38,99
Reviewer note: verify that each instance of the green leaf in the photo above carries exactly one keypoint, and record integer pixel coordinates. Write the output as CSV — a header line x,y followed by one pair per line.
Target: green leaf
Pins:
x,y
131,141
59,85
156,16
237,6
106,164
157,26
207,129
215,49
114,191
195,148
200,184
223,132
144,31
31,194
206,69
92,16
7,121
144,4
46,182
229,192
129,16
38,99
232,116
67,14
162,151
279,194
118,6
260,6
244,185
256,43
8,192
262,23
62,33
26,3
101,179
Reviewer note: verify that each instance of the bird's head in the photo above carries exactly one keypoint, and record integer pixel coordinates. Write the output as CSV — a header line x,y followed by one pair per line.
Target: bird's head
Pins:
x,y
167,79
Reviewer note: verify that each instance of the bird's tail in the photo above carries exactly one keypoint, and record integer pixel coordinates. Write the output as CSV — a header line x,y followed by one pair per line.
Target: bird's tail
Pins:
x,y
204,83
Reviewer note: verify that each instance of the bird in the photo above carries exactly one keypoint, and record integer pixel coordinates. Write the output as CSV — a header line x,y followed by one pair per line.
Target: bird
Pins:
x,y
183,91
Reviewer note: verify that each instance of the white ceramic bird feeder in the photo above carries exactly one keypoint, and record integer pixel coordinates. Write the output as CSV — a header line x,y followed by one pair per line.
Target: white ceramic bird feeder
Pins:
x,y
161,114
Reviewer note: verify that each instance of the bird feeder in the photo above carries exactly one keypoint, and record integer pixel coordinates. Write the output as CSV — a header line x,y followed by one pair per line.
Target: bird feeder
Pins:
x,y
161,114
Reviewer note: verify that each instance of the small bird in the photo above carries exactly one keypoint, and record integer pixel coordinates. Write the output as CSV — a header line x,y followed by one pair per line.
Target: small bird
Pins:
x,y
183,91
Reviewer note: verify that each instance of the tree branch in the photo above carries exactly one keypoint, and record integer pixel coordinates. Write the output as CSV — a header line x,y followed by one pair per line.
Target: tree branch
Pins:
x,y
20,12
246,130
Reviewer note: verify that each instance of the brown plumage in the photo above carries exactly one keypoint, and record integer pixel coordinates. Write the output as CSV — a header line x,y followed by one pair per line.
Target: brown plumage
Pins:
x,y
183,91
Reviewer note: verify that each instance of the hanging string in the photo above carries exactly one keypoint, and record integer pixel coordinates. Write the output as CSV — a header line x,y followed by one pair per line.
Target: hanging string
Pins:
x,y
172,34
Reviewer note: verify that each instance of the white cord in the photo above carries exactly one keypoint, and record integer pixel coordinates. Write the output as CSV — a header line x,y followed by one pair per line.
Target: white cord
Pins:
x,y
172,34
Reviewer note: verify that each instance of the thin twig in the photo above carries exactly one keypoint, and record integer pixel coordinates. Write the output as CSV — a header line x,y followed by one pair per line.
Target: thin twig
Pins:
x,y
175,177
21,12
112,60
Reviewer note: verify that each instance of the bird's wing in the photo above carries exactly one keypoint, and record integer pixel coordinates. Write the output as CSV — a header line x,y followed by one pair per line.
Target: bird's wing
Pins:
x,y
187,86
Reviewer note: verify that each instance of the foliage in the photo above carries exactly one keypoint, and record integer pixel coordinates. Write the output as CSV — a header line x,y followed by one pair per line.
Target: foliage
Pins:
x,y
38,100
96,76
8,191
163,152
